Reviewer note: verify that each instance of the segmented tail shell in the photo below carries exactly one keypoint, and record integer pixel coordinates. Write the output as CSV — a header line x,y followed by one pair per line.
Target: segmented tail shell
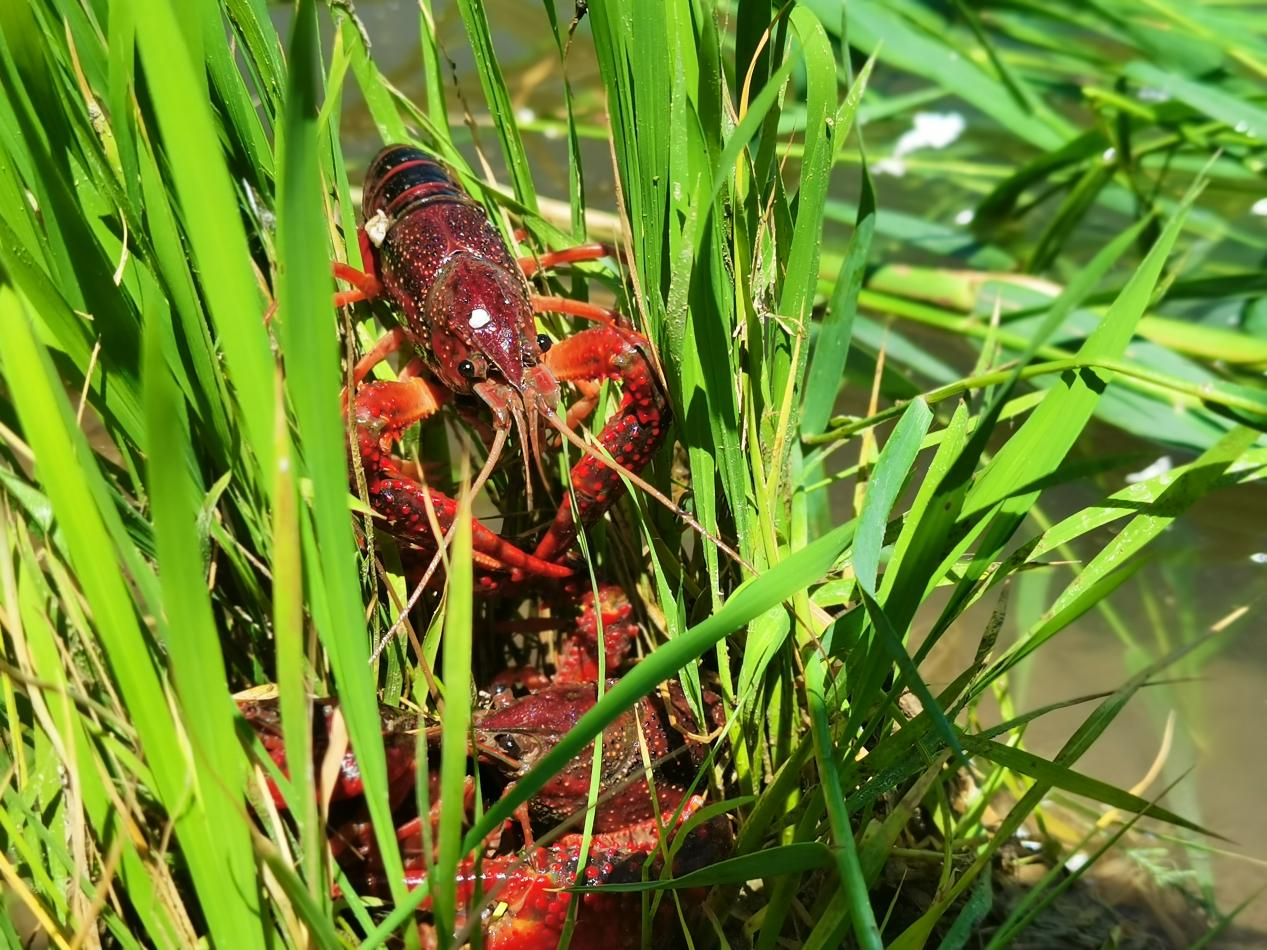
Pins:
x,y
402,178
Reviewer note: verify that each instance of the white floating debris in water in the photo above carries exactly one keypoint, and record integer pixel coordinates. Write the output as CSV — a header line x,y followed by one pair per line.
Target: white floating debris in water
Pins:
x,y
933,130
1076,862
1259,208
524,114
1160,467
1259,557
965,216
1109,155
479,318
889,166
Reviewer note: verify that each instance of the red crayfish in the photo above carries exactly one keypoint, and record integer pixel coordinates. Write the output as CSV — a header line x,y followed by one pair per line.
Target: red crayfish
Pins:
x,y
514,891
467,313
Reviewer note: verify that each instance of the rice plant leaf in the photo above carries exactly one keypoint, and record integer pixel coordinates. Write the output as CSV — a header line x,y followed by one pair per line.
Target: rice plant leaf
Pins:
x,y
892,469
210,208
800,279
161,929
972,913
192,641
1251,465
455,717
49,424
1179,494
1234,111
1036,450
831,349
498,99
309,341
1058,775
241,115
848,864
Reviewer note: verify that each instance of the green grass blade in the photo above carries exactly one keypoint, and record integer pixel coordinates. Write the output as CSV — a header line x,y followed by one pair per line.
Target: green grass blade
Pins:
x,y
47,420
312,377
209,206
1045,438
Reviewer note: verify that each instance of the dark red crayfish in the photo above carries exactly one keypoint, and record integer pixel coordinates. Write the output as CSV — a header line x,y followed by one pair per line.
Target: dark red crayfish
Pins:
x,y
467,314
514,891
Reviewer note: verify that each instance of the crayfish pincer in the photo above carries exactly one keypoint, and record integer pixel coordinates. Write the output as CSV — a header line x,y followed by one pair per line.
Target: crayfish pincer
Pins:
x,y
467,325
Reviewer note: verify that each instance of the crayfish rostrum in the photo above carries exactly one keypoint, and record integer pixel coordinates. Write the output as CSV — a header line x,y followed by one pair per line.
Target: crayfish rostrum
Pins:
x,y
468,322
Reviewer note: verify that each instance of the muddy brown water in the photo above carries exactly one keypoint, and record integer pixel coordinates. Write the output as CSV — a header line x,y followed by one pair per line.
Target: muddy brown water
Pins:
x,y
1211,725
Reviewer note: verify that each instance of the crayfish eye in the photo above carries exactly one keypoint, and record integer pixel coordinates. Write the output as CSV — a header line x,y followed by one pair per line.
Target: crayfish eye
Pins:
x,y
508,745
544,342
467,369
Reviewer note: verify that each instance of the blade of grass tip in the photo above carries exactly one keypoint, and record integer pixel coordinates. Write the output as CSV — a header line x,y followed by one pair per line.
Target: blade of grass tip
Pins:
x,y
800,281
49,424
305,317
455,716
209,207
192,641
793,574
1042,442
831,349
498,98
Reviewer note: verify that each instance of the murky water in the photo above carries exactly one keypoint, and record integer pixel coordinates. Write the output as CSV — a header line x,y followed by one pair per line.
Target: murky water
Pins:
x,y
1210,728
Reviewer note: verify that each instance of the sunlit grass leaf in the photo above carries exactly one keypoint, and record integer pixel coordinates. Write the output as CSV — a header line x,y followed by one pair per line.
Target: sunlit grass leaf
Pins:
x,y
1047,435
312,360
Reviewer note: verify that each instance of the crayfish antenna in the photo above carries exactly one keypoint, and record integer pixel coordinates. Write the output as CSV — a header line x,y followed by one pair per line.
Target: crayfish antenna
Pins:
x,y
494,453
526,437
552,417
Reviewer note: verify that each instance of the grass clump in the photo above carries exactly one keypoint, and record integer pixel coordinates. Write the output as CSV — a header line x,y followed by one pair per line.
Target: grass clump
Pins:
x,y
176,515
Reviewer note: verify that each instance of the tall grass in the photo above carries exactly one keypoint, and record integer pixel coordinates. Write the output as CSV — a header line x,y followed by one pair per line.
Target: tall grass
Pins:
x,y
176,515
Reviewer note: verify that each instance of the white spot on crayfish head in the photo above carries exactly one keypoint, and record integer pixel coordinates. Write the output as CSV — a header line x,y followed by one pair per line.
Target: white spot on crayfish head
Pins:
x,y
479,318
376,228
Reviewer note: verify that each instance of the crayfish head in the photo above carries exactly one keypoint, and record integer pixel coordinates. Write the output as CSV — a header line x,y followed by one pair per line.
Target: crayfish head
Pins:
x,y
481,325
484,341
